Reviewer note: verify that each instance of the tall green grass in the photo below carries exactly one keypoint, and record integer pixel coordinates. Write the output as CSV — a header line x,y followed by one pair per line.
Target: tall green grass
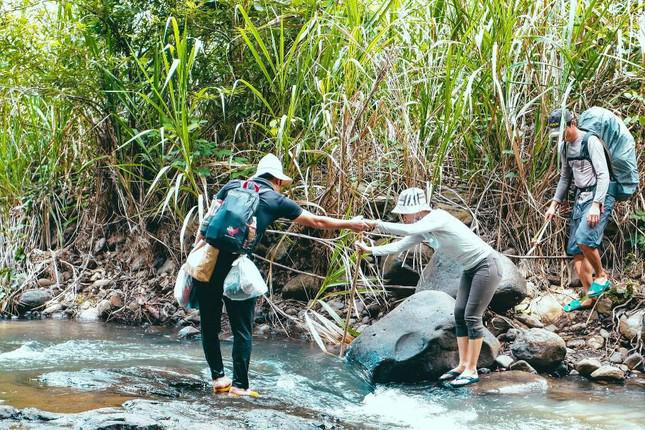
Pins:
x,y
359,99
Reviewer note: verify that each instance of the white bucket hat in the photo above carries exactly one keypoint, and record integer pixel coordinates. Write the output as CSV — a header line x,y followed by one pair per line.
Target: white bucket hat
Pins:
x,y
411,201
271,164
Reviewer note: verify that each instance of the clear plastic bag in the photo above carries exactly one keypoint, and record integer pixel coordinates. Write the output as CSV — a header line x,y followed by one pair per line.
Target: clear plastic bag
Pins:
x,y
244,281
184,288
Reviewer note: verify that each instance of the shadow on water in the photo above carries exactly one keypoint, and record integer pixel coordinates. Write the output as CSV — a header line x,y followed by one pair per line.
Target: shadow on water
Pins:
x,y
69,367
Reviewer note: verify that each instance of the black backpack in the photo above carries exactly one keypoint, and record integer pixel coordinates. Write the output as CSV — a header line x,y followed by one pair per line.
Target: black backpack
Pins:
x,y
228,228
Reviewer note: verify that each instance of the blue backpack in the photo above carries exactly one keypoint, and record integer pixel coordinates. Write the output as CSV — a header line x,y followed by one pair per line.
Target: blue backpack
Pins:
x,y
229,227
620,149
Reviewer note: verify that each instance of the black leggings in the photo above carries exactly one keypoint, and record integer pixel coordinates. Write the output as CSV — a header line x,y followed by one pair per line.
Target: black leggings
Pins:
x,y
475,293
241,315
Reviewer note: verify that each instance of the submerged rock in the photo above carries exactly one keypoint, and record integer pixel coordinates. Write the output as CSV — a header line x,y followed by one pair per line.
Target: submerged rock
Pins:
x,y
444,274
511,382
415,341
587,366
541,348
33,299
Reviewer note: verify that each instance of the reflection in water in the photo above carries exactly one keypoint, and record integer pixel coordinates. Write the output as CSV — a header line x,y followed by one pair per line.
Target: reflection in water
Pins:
x,y
63,366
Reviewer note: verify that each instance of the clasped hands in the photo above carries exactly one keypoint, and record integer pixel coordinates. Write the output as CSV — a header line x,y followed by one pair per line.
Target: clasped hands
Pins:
x,y
359,225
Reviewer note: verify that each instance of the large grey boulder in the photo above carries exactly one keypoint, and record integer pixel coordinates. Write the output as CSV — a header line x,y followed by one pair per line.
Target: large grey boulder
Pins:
x,y
541,348
415,341
33,299
444,274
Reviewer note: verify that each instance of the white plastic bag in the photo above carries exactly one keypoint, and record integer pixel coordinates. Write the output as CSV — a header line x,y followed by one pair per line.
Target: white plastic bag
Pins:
x,y
183,288
244,281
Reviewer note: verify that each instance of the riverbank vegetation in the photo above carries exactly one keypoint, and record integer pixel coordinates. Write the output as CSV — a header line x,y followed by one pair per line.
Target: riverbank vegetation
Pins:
x,y
120,118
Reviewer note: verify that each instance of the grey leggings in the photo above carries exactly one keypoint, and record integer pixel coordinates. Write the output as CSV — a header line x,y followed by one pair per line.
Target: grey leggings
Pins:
x,y
475,293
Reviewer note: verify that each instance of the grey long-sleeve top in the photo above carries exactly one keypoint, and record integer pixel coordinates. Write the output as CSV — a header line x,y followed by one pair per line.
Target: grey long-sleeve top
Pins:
x,y
585,173
441,231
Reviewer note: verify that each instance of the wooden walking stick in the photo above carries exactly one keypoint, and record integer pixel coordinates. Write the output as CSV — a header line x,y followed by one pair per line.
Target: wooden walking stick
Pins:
x,y
359,257
537,239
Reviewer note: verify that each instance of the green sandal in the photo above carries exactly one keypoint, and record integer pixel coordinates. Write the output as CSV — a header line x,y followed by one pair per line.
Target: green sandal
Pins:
x,y
597,289
576,305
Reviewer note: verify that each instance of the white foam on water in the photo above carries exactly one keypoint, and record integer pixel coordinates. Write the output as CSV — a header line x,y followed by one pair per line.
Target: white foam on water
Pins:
x,y
33,354
393,407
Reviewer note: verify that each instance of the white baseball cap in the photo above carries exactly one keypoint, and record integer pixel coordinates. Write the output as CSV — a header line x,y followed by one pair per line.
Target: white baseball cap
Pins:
x,y
271,164
411,201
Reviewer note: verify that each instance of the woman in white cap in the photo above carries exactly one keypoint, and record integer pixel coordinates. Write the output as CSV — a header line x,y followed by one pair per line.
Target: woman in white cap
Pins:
x,y
269,180
482,270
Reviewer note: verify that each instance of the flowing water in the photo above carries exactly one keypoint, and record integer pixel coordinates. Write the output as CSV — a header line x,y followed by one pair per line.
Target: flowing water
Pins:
x,y
69,367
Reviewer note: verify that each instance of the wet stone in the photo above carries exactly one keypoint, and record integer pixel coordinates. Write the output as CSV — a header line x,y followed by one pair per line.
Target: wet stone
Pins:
x,y
596,342
523,366
188,332
608,374
587,366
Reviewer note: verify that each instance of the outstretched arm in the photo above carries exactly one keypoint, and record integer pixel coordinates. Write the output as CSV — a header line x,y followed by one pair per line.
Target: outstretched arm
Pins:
x,y
427,224
327,223
395,247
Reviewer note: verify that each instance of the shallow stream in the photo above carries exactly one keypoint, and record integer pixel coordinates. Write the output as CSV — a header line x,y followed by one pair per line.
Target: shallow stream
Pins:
x,y
70,367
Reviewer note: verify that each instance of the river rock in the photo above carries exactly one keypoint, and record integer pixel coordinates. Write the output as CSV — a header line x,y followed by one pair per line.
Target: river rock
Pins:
x,y
504,361
116,300
101,283
188,332
576,343
596,342
546,308
8,412
396,272
522,366
634,361
499,325
33,299
511,382
103,308
444,274
119,420
617,358
587,366
168,266
604,306
608,374
540,348
52,309
301,287
415,341
89,314
45,282
633,326
529,321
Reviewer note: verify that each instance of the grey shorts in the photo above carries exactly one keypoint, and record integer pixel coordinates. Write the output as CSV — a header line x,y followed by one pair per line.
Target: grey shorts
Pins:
x,y
579,230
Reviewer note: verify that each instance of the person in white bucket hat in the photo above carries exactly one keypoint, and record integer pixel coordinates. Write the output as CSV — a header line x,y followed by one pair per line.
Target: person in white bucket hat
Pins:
x,y
481,276
268,180
270,166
